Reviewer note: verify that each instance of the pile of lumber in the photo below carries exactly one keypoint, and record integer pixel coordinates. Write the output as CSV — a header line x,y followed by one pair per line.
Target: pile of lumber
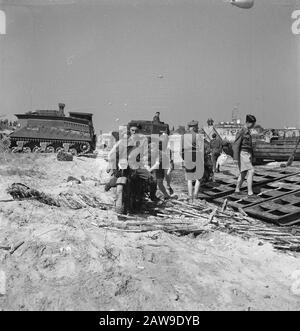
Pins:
x,y
179,217
174,216
175,225
81,200
225,219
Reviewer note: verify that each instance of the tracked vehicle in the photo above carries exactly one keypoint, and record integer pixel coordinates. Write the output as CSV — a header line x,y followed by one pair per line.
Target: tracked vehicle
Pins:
x,y
50,131
150,127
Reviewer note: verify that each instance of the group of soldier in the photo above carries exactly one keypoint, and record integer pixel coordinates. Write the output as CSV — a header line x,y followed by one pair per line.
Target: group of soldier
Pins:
x,y
200,158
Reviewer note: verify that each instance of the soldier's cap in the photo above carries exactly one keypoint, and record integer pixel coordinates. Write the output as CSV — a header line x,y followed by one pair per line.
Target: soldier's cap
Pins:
x,y
250,119
193,123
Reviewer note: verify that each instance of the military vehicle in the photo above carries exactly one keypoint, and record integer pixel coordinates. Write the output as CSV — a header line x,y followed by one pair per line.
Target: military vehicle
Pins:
x,y
146,128
150,127
51,131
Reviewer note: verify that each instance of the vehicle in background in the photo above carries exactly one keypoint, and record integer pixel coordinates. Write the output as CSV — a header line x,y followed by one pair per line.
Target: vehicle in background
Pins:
x,y
51,131
148,128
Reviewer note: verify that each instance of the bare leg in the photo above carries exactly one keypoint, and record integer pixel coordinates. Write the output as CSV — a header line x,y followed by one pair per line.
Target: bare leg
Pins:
x,y
240,181
197,187
168,178
250,181
190,189
161,187
214,159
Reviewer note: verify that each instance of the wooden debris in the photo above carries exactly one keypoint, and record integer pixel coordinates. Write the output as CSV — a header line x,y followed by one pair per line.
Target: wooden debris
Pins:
x,y
22,192
183,219
6,248
242,212
183,227
224,205
71,200
15,247
238,223
212,215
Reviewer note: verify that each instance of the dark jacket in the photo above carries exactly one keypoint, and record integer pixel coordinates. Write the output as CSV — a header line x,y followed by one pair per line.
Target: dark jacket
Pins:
x,y
243,142
216,146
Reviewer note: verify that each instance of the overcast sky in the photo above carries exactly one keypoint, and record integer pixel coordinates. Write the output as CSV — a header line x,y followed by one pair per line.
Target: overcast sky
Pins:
x,y
126,59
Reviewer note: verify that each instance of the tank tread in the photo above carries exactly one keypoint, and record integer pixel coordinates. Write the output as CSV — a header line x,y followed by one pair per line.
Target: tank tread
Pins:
x,y
19,145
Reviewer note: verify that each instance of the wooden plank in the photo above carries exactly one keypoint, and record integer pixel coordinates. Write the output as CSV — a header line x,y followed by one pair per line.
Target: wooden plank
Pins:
x,y
267,192
284,211
226,186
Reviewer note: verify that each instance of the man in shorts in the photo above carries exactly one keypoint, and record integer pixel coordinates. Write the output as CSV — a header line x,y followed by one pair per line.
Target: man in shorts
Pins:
x,y
243,154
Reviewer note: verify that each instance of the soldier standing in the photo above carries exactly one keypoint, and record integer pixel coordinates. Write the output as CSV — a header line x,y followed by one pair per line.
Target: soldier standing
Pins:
x,y
243,154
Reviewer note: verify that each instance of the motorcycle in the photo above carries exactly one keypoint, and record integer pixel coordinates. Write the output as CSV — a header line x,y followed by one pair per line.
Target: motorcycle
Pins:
x,y
130,189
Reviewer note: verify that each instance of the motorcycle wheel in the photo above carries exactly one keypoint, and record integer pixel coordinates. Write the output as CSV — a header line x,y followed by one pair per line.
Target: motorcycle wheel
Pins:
x,y
120,200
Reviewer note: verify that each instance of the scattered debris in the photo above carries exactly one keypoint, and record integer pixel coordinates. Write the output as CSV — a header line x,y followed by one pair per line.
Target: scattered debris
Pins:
x,y
104,255
175,226
65,250
6,248
79,201
88,155
16,246
242,211
224,205
276,201
73,179
212,215
287,239
64,156
71,200
20,191
13,247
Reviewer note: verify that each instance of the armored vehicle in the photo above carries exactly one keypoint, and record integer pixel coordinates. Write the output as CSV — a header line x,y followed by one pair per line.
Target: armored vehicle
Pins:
x,y
51,131
146,128
150,127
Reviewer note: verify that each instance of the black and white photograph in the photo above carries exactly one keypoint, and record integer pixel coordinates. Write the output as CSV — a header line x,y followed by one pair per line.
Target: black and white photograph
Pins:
x,y
149,158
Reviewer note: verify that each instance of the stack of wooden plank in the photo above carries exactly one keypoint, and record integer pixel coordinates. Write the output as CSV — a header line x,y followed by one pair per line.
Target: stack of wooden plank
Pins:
x,y
277,201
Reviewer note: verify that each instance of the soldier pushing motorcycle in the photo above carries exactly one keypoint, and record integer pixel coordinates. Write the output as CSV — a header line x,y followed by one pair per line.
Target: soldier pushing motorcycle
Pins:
x,y
129,167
